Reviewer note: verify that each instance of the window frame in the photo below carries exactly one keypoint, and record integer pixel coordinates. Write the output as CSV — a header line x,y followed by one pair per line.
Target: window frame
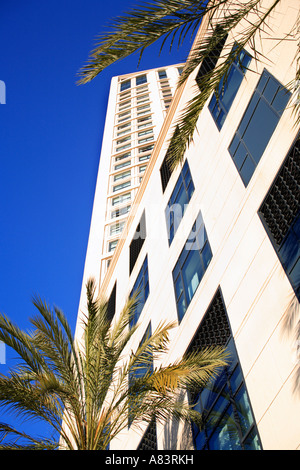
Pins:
x,y
216,106
141,79
196,244
125,85
215,330
243,157
142,290
184,185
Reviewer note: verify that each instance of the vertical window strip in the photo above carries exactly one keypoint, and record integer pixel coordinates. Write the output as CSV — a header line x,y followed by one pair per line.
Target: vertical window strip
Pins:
x,y
191,266
228,419
178,201
257,125
222,100
141,290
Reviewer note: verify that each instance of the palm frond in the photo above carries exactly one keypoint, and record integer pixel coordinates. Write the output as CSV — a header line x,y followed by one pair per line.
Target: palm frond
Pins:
x,y
158,20
87,395
141,27
186,124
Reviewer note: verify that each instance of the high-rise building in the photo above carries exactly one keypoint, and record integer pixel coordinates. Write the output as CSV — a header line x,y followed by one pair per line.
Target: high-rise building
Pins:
x,y
137,106
212,245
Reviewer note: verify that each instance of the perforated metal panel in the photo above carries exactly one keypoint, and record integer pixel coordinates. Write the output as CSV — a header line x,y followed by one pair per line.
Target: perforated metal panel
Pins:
x,y
214,329
282,203
149,440
209,62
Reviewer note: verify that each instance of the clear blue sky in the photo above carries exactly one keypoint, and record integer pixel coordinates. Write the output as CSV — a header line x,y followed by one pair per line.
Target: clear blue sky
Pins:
x,y
51,132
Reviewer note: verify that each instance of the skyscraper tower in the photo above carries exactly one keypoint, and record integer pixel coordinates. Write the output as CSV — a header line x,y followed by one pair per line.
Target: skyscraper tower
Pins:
x,y
137,106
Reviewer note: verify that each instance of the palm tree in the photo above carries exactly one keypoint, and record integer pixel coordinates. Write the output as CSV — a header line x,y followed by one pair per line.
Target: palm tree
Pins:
x,y
94,384
173,21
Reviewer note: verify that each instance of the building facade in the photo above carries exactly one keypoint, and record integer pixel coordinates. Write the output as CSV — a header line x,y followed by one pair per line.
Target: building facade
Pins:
x,y
137,106
214,246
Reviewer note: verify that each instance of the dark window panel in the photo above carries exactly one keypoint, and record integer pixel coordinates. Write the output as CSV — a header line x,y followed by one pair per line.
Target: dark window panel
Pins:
x,y
137,242
228,420
257,125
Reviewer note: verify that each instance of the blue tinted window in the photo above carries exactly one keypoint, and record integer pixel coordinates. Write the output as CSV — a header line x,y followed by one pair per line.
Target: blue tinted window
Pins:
x,y
162,74
125,85
191,266
141,289
143,365
257,125
228,421
221,101
289,254
178,201
141,79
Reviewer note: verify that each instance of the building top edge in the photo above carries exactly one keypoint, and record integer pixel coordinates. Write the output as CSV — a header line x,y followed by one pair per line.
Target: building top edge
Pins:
x,y
133,74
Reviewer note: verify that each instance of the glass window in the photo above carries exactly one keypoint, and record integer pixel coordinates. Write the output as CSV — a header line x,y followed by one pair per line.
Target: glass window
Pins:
x,y
141,289
116,228
148,131
144,157
125,85
124,139
178,201
145,106
146,149
142,126
120,212
124,132
142,99
162,74
142,366
191,266
143,119
122,157
142,89
125,104
122,175
122,186
227,419
122,165
141,79
123,126
112,245
126,113
123,147
142,168
257,125
123,119
147,139
121,199
221,101
125,95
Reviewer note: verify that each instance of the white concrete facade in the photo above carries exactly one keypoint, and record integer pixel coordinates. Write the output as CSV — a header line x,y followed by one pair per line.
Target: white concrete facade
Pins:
x,y
244,264
141,108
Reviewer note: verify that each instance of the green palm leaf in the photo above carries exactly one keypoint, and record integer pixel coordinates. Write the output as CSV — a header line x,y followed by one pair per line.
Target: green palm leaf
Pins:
x,y
81,388
171,22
